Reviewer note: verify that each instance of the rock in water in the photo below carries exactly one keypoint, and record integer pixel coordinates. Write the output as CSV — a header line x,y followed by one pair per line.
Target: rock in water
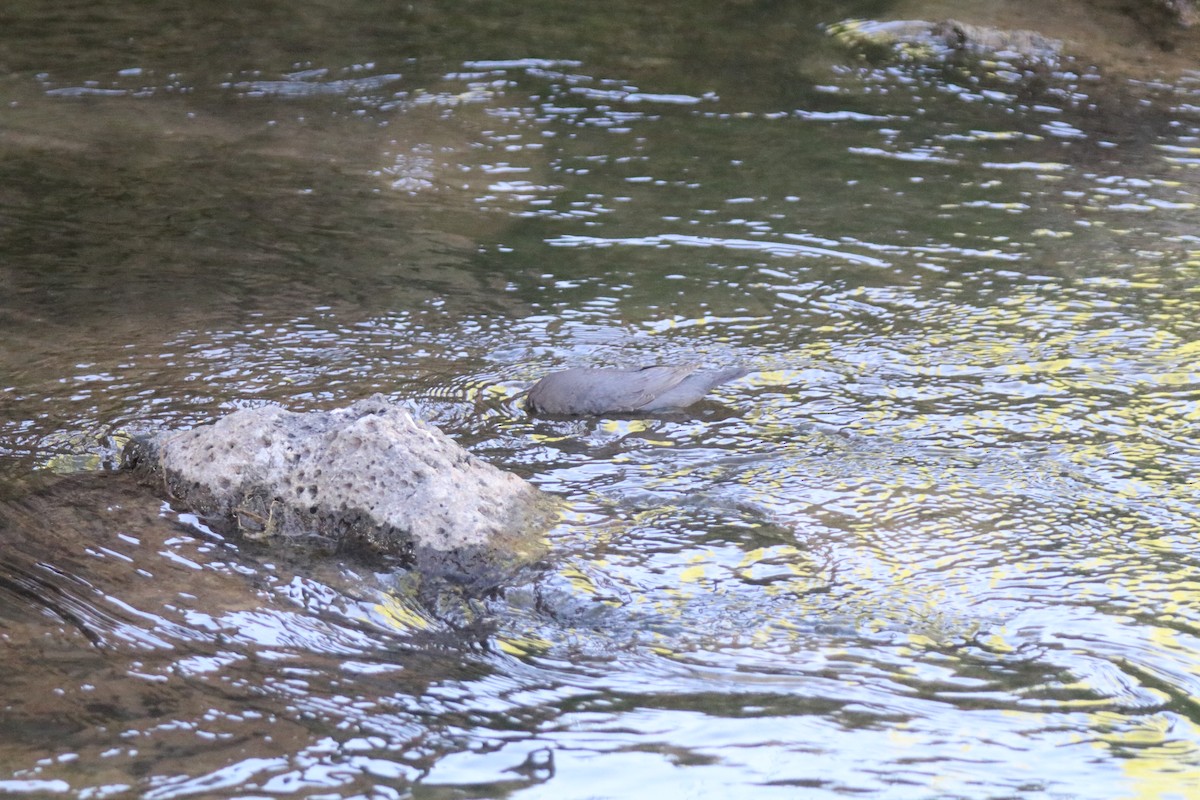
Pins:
x,y
614,391
369,476
922,40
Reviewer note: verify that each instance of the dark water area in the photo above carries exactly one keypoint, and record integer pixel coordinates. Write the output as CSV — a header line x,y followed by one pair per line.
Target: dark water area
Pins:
x,y
941,542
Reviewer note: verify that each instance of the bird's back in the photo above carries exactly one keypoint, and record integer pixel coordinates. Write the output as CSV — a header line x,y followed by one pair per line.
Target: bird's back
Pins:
x,y
598,391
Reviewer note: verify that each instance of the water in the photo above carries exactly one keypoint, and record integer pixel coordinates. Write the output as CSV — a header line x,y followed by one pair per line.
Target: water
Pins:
x,y
940,543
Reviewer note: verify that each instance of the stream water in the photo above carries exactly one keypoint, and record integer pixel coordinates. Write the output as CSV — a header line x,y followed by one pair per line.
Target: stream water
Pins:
x,y
942,542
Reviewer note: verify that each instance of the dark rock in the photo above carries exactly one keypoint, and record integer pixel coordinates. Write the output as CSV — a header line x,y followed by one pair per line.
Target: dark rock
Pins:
x,y
921,40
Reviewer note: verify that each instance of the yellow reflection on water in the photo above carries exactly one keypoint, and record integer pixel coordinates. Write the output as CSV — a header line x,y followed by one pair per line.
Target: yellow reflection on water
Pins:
x,y
1161,760
405,613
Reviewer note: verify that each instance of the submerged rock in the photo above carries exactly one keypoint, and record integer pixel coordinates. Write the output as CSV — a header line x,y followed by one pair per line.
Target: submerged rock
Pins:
x,y
368,477
1182,12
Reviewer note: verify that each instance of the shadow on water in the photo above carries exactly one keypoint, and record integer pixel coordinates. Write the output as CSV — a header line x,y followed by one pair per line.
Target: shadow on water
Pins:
x,y
120,615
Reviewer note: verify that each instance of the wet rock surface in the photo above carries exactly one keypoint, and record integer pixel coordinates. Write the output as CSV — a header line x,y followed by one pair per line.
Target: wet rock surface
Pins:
x,y
370,477
1144,40
939,40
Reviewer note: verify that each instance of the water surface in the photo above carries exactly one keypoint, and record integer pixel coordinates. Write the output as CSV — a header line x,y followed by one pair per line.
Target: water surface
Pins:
x,y
940,542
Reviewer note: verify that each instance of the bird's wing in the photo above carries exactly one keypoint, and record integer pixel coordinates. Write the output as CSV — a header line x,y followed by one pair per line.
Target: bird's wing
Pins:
x,y
653,382
596,391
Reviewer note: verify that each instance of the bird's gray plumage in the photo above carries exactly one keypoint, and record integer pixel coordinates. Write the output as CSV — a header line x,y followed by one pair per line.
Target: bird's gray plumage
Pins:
x,y
604,391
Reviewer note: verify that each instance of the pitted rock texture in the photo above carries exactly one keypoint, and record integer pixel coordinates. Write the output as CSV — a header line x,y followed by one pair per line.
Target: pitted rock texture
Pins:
x,y
368,476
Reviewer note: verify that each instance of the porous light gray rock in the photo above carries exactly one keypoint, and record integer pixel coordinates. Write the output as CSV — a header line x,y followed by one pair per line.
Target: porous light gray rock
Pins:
x,y
370,476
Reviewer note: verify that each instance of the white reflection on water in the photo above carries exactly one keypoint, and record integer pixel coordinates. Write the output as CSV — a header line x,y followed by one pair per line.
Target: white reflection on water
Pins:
x,y
768,247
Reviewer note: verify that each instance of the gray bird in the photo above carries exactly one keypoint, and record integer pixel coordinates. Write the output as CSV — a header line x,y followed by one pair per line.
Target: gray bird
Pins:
x,y
607,391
